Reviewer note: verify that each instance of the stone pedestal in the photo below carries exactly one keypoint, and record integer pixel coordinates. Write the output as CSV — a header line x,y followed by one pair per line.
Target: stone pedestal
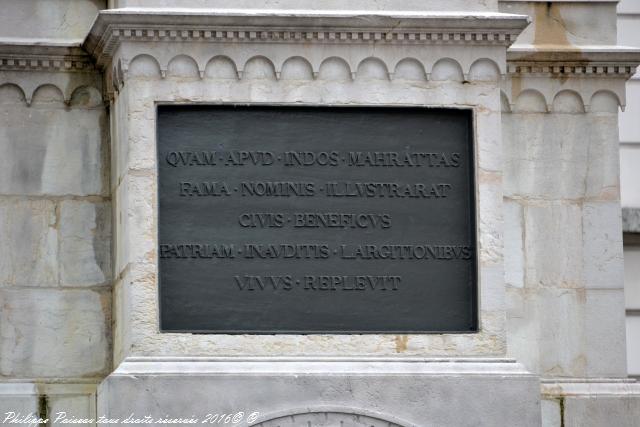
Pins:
x,y
452,60
345,392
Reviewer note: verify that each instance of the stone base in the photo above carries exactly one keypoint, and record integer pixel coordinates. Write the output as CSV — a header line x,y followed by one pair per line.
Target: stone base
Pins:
x,y
23,402
590,403
326,392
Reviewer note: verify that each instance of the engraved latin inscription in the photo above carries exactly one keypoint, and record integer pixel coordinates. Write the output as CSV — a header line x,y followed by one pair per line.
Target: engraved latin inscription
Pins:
x,y
316,220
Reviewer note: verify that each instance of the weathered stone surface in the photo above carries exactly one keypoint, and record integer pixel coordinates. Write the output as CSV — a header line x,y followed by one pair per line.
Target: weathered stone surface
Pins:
x,y
551,413
547,331
604,323
598,411
567,332
54,333
48,149
17,398
71,405
565,23
560,156
51,19
405,393
602,246
54,243
85,232
551,260
57,402
29,242
513,243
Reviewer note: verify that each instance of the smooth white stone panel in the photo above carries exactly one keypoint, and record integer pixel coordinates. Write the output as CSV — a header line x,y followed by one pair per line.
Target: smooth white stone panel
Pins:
x,y
409,393
49,149
54,333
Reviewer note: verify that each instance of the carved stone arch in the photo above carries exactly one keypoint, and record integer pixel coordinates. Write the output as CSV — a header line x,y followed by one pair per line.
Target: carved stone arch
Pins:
x,y
604,101
259,68
183,66
48,95
409,69
11,93
296,68
329,418
568,102
221,67
372,68
334,68
484,70
447,69
143,66
530,101
86,97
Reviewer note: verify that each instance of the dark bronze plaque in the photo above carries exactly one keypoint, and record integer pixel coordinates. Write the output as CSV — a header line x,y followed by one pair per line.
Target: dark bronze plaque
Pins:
x,y
280,219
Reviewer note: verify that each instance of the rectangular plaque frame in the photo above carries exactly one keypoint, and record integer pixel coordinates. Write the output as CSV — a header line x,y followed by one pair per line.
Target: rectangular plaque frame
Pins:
x,y
168,322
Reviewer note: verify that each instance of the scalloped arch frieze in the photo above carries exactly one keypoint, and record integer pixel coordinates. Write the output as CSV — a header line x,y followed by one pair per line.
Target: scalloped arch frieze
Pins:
x,y
298,67
51,94
570,96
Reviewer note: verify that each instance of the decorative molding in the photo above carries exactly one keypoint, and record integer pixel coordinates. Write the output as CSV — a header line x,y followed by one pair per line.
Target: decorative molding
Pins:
x,y
588,387
297,67
112,27
594,73
320,365
585,61
44,57
33,66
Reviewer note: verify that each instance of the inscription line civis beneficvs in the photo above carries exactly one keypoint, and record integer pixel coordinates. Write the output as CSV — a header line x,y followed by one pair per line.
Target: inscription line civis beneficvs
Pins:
x,y
316,220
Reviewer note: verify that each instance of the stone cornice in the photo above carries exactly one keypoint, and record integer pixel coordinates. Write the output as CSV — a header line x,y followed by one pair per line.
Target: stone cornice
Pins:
x,y
111,27
17,56
573,61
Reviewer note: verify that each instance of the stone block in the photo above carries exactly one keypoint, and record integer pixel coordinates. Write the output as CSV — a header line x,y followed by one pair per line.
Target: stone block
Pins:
x,y
67,402
601,179
599,411
50,150
54,333
513,243
561,334
604,320
85,235
560,156
553,245
602,250
545,155
546,330
551,413
28,243
18,400
61,20
48,243
565,23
